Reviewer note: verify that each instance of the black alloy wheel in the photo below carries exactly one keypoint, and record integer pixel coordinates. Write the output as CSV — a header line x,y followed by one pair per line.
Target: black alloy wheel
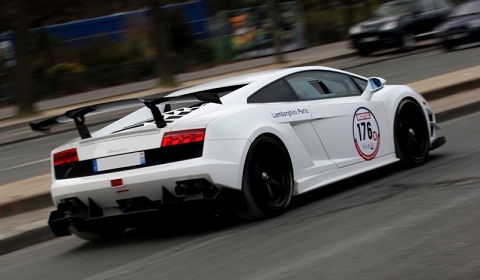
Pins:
x,y
411,133
267,179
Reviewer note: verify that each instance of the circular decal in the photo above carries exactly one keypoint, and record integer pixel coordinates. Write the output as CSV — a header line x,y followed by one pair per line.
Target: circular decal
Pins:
x,y
366,133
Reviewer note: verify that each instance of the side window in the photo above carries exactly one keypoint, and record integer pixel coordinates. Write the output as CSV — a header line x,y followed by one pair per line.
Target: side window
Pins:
x,y
441,4
417,7
428,5
322,84
308,86
362,83
278,91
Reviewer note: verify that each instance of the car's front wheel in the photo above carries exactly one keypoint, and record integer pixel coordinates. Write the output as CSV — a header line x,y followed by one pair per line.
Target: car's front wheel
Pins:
x,y
365,50
411,133
267,179
408,41
449,46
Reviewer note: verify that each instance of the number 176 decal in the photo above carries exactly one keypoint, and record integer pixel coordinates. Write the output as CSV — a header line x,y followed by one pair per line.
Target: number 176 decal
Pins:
x,y
366,133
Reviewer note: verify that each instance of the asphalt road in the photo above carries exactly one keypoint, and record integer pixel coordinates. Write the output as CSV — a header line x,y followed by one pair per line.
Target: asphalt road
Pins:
x,y
30,158
394,223
401,68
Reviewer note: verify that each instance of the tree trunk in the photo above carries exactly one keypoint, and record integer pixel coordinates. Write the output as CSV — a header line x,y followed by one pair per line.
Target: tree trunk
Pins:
x,y
348,14
275,32
22,70
164,69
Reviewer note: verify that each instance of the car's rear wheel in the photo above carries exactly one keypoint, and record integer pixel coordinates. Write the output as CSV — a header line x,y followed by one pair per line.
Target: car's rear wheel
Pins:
x,y
267,179
104,233
411,133
449,46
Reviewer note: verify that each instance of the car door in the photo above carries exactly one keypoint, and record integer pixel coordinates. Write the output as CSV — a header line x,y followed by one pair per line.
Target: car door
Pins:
x,y
426,17
349,126
308,155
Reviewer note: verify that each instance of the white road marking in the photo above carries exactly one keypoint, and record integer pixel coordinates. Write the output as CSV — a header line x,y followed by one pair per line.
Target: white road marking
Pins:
x,y
15,156
25,164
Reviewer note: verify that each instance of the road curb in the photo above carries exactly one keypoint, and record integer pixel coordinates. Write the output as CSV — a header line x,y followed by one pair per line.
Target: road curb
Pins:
x,y
458,112
25,239
453,88
26,204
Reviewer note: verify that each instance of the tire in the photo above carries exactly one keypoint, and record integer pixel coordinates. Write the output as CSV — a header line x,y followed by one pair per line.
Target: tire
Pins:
x,y
411,133
107,233
448,46
267,179
408,42
365,51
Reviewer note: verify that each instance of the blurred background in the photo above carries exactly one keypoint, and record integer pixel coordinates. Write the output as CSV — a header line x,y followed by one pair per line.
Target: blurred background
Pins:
x,y
50,49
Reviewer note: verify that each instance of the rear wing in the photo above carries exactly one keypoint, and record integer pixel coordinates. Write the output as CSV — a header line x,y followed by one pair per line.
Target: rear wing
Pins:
x,y
78,115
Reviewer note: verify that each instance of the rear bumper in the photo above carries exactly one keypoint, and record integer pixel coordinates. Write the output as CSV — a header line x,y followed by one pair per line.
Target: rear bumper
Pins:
x,y
91,218
223,170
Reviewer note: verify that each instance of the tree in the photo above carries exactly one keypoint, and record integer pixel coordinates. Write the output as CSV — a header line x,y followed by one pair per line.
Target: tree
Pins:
x,y
22,77
348,13
276,36
159,41
16,16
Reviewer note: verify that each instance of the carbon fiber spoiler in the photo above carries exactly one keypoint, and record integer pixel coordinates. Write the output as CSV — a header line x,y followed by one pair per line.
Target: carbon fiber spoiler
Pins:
x,y
78,115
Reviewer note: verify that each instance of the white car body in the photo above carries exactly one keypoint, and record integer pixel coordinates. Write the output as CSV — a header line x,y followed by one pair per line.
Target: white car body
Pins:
x,y
326,139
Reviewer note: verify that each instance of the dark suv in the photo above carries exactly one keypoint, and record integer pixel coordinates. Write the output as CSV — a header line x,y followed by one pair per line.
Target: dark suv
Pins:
x,y
399,23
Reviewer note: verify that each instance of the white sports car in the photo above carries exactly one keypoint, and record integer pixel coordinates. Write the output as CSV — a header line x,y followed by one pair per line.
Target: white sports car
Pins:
x,y
246,143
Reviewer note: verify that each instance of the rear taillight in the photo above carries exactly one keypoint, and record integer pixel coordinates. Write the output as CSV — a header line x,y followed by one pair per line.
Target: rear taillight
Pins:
x,y
183,137
67,156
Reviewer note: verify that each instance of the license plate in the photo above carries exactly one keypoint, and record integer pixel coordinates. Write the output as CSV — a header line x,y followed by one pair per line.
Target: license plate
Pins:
x,y
120,161
369,39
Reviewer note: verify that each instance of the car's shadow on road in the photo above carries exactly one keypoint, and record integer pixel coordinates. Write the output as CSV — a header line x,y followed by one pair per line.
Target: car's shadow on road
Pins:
x,y
175,227
376,177
184,227
345,185
167,229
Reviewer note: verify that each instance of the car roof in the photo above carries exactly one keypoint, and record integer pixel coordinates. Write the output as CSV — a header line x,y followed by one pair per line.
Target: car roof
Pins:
x,y
248,78
237,80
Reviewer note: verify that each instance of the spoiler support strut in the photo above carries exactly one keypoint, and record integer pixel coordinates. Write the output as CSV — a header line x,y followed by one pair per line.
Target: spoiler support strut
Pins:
x,y
157,115
79,118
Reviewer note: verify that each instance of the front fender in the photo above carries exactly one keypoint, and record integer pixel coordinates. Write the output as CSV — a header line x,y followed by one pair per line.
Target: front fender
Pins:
x,y
391,96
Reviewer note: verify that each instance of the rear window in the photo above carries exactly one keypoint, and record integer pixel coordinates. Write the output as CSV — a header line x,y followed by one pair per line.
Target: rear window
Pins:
x,y
310,85
466,9
396,8
441,4
278,91
220,92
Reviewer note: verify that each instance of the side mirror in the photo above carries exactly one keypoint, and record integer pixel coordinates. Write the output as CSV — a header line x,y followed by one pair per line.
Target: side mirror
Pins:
x,y
374,84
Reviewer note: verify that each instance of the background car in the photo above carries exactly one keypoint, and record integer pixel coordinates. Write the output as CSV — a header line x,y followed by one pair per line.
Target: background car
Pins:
x,y
399,24
462,26
244,144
